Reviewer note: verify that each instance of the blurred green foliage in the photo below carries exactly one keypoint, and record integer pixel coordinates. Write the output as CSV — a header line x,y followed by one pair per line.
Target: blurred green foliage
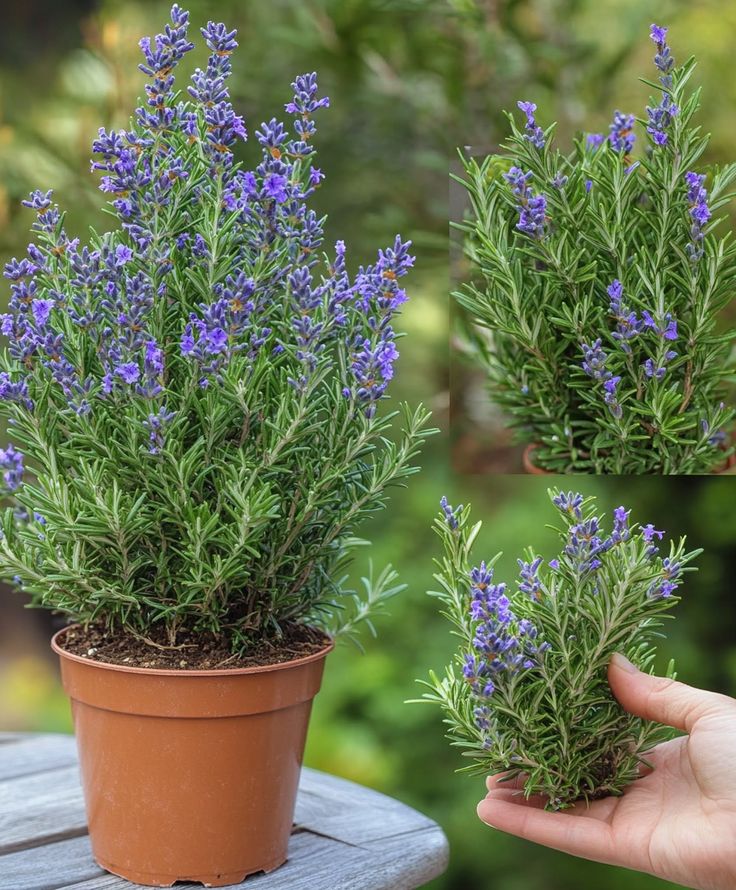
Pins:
x,y
409,80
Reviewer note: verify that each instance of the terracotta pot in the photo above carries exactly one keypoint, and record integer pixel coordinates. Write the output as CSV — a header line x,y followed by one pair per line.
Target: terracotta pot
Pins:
x,y
190,775
529,465
726,466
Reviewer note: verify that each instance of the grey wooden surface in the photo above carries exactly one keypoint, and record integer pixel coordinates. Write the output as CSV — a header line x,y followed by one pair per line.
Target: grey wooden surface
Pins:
x,y
345,837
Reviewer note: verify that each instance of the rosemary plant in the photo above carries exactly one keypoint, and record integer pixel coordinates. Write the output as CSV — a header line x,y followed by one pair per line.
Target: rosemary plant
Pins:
x,y
527,690
196,392
601,276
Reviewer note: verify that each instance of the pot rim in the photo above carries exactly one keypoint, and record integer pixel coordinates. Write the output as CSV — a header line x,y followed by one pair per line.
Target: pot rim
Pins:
x,y
187,672
529,466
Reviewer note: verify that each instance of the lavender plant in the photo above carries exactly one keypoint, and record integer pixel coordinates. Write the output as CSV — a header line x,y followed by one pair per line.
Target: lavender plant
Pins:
x,y
527,690
602,276
196,392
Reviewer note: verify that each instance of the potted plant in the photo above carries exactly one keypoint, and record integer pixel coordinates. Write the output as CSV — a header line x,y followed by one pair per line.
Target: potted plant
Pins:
x,y
527,690
195,394
601,280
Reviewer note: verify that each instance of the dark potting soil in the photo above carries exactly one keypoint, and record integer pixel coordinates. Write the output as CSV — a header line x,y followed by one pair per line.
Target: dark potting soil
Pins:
x,y
192,651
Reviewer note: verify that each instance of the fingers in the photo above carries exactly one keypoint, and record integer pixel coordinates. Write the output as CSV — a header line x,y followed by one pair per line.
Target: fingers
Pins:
x,y
577,835
658,698
501,780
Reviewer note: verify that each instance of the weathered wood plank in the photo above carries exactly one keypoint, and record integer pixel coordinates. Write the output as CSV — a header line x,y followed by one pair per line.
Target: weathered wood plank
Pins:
x,y
352,813
51,866
40,808
24,755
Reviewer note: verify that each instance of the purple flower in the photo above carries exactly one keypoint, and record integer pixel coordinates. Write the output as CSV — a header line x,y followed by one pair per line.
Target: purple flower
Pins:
x,y
569,503
665,326
664,586
697,198
162,54
621,531
41,310
533,216
594,140
628,325
660,119
530,583
534,133
274,187
123,255
664,59
305,101
501,644
621,133
378,296
156,424
129,372
450,513
38,200
372,368
223,127
532,208
594,365
11,463
649,533
585,545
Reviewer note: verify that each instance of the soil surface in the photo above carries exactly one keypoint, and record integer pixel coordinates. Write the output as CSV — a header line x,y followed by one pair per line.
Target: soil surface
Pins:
x,y
192,651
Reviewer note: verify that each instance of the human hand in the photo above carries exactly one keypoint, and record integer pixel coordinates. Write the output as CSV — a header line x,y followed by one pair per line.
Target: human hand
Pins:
x,y
678,821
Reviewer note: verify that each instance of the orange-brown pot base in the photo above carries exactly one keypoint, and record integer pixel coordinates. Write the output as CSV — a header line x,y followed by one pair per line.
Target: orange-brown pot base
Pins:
x,y
150,880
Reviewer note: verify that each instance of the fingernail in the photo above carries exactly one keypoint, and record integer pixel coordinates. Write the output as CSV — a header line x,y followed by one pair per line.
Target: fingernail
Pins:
x,y
622,662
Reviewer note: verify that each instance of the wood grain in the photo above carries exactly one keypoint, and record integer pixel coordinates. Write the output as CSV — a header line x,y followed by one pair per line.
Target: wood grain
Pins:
x,y
346,837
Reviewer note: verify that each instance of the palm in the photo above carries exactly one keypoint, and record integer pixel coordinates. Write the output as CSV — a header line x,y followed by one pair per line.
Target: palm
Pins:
x,y
677,821
672,821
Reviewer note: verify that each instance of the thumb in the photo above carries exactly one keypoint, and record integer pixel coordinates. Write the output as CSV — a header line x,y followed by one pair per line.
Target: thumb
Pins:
x,y
659,698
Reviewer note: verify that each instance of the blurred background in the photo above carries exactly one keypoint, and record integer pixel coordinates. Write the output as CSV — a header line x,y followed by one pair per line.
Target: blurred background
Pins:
x,y
409,81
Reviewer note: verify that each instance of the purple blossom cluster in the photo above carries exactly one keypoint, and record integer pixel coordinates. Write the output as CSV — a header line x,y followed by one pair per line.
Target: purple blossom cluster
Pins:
x,y
569,503
649,533
378,295
664,327
586,543
660,117
697,199
621,134
529,574
101,321
222,126
668,581
532,208
628,325
11,464
502,643
450,513
594,365
534,133
162,55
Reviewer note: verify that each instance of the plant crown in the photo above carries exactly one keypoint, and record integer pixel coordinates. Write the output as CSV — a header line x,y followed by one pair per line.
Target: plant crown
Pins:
x,y
601,277
196,392
527,690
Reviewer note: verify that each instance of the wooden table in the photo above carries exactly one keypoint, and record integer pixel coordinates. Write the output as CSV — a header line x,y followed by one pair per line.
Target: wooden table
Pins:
x,y
345,837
